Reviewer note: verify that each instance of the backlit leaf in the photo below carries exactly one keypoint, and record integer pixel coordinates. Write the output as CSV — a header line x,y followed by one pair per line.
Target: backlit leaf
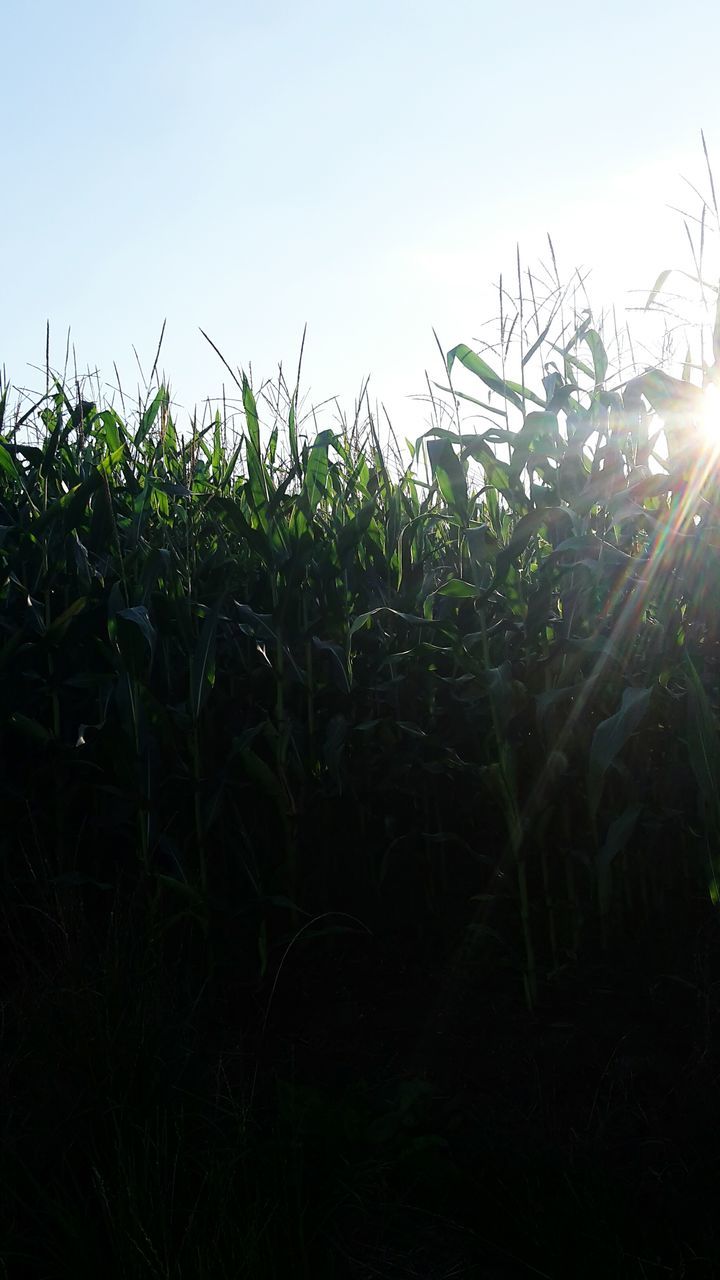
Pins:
x,y
611,736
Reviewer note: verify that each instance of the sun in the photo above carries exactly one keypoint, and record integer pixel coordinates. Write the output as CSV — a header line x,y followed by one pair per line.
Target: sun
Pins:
x,y
710,416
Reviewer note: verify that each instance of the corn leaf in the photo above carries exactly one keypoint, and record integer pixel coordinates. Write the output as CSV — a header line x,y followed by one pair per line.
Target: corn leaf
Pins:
x,y
611,736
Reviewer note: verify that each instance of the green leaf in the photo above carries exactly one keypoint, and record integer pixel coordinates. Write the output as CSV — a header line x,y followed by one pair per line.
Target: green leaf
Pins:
x,y
497,474
111,460
340,660
531,524
148,418
611,736
31,729
618,834
71,508
183,889
538,435
251,415
499,683
524,393
60,625
7,463
482,544
259,485
113,430
703,744
482,370
58,433
657,288
667,395
537,343
255,624
482,404
254,540
272,445
202,669
352,533
599,355
411,619
449,473
316,472
292,436
139,617
456,589
262,775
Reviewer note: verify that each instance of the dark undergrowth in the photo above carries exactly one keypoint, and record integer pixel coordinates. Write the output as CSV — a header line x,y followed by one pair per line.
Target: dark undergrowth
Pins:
x,y
382,1107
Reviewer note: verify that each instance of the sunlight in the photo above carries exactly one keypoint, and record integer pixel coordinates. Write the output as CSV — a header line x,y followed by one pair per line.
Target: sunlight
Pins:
x,y
704,438
710,418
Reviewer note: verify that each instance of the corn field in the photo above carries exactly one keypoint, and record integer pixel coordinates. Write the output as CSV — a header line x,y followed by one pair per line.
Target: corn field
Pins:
x,y
247,667
263,682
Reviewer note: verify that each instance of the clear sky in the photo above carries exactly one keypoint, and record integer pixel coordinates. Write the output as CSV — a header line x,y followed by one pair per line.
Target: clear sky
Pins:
x,y
366,168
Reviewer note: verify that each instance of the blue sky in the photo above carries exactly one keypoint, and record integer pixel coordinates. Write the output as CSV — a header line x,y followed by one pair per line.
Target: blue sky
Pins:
x,y
365,168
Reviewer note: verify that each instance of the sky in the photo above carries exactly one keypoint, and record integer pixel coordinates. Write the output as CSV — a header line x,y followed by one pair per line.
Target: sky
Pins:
x,y
366,170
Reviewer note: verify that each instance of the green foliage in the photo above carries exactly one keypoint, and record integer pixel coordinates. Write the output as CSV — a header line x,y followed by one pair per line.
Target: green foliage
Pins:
x,y
252,681
214,650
